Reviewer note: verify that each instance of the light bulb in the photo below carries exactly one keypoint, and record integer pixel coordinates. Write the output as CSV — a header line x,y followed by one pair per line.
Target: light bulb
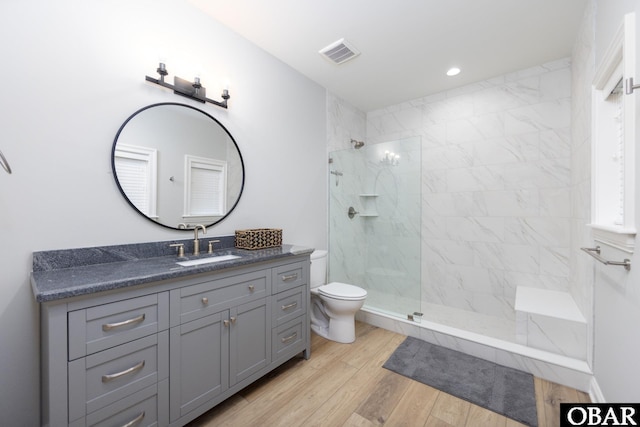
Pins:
x,y
453,71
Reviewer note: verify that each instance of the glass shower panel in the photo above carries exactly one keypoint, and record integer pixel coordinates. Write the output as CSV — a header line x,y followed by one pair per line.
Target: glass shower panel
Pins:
x,y
377,247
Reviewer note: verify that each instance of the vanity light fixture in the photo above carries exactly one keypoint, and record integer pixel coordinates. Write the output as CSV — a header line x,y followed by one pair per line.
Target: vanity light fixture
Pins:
x,y
186,88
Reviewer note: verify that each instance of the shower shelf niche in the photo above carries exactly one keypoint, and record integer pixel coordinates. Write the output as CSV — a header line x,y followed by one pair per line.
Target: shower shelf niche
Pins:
x,y
369,205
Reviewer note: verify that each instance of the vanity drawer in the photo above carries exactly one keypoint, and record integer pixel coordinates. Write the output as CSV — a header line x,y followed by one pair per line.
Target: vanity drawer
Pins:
x,y
103,378
288,339
289,305
142,409
97,328
207,298
287,277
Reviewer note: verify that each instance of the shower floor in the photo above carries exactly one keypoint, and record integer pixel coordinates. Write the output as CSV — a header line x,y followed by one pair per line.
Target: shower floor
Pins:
x,y
490,326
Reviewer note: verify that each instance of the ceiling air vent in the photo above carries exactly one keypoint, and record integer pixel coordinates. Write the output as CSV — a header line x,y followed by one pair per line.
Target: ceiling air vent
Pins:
x,y
339,52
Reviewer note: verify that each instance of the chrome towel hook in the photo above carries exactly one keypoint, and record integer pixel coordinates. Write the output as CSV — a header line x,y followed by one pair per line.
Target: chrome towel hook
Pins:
x,y
5,163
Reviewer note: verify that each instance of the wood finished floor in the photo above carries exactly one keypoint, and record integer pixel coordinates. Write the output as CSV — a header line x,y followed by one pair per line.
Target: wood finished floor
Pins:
x,y
346,385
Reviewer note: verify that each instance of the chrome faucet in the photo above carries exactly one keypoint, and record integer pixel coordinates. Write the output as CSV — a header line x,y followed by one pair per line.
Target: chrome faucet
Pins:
x,y
196,242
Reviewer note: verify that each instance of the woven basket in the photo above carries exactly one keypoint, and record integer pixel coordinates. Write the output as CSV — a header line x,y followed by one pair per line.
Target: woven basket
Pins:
x,y
258,238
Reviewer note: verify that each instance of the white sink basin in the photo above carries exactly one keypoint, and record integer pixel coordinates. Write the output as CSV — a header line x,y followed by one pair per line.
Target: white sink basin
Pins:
x,y
207,260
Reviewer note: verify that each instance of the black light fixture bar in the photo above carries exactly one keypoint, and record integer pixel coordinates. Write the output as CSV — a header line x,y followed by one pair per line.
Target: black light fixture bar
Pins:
x,y
192,90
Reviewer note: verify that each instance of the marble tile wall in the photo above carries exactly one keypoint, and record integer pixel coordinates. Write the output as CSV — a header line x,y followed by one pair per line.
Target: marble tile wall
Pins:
x,y
344,122
496,186
347,238
583,71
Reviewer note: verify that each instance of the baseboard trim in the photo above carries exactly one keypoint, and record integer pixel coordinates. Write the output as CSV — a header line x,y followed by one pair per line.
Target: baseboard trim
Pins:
x,y
595,392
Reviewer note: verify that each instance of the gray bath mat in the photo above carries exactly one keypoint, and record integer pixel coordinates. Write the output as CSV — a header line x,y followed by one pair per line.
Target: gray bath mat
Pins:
x,y
498,388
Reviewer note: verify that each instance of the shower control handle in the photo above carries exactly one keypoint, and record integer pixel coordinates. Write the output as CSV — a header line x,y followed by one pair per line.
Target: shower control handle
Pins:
x,y
352,212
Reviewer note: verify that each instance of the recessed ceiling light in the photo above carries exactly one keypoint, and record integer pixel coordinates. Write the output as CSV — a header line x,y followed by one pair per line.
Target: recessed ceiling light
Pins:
x,y
454,71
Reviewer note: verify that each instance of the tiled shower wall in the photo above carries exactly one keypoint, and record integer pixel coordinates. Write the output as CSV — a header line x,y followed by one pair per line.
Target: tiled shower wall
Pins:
x,y
582,72
496,186
344,123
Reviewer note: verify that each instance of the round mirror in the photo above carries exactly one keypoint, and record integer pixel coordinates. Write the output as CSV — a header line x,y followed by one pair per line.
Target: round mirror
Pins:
x,y
177,166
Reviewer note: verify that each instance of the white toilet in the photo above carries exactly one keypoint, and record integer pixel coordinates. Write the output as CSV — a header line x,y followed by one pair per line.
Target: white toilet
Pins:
x,y
333,305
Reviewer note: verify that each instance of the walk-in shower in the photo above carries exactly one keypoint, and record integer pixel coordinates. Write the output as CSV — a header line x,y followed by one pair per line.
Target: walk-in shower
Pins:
x,y
385,237
375,214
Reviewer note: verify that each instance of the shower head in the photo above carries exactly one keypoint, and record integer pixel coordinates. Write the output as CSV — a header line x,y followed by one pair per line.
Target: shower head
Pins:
x,y
357,144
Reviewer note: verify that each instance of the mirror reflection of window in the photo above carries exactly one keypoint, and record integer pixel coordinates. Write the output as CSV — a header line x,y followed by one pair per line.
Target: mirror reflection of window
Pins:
x,y
205,187
136,168
613,159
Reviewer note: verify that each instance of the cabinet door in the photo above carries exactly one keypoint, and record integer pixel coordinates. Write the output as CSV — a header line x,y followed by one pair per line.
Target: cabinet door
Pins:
x,y
198,364
250,339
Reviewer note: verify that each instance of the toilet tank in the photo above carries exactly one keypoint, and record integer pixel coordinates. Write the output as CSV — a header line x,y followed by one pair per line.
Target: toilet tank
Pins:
x,y
318,268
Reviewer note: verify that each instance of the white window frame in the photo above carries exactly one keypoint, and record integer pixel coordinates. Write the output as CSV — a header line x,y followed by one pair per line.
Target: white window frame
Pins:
x,y
613,186
149,156
220,166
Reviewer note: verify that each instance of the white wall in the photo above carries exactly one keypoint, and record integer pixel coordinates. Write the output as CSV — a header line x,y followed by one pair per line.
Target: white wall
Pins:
x,y
616,292
72,72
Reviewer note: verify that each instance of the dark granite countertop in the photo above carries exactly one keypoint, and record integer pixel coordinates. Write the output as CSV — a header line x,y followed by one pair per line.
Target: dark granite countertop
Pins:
x,y
73,272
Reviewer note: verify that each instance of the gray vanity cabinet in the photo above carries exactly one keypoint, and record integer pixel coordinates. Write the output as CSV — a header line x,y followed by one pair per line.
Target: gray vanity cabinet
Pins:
x,y
163,353
219,350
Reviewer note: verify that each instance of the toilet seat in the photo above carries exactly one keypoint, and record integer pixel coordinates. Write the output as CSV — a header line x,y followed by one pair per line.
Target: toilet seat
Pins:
x,y
342,291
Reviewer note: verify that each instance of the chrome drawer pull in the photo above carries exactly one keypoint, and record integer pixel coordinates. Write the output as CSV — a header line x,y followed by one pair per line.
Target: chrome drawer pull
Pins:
x,y
109,326
287,307
131,370
290,277
205,301
251,288
225,322
289,338
135,421
233,320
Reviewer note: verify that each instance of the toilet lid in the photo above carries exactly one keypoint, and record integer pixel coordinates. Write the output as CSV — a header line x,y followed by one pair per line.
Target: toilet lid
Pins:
x,y
342,291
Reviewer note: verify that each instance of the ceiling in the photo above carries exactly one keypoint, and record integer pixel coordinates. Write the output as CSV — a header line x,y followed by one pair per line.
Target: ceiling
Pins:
x,y
406,45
